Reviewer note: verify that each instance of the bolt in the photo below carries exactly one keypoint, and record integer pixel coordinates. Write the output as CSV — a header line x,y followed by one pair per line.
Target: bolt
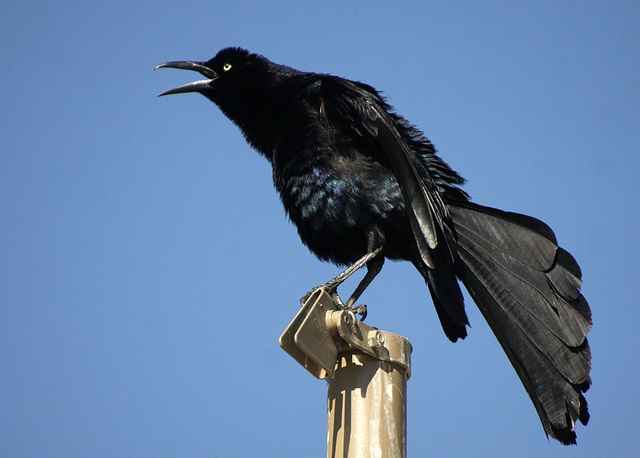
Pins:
x,y
349,318
376,338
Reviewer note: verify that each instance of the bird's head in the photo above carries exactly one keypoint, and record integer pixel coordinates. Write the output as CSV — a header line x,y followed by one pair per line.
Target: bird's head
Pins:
x,y
227,72
240,83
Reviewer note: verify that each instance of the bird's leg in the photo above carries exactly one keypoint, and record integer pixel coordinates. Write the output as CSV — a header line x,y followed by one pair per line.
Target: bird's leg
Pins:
x,y
333,284
374,264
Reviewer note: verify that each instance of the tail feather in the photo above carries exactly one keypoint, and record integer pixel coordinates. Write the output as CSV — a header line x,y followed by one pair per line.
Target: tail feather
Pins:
x,y
540,320
448,300
527,288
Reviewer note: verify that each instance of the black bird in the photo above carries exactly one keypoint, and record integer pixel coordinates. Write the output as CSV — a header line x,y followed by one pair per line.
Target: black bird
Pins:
x,y
362,184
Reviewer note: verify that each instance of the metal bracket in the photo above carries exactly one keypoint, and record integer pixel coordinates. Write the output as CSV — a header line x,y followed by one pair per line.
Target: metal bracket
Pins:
x,y
321,330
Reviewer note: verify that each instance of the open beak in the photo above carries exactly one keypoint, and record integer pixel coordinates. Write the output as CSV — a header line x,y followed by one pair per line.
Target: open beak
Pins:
x,y
196,86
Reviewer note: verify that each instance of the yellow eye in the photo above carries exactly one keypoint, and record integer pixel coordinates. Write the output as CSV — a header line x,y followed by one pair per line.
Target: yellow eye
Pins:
x,y
226,67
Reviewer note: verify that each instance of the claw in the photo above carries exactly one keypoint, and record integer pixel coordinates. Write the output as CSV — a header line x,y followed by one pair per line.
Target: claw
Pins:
x,y
359,310
336,298
330,289
306,297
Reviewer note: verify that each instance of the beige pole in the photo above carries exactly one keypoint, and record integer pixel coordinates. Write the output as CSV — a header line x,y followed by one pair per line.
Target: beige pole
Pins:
x,y
366,372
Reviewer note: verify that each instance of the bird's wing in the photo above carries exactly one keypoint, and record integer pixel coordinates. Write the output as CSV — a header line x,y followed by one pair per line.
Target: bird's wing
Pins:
x,y
358,108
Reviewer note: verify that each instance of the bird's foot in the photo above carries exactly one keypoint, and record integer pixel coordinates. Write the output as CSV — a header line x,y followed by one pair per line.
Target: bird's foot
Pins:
x,y
355,309
332,290
331,287
359,310
306,297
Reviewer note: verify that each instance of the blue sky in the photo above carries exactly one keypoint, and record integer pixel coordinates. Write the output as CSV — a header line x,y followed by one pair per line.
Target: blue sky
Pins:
x,y
147,268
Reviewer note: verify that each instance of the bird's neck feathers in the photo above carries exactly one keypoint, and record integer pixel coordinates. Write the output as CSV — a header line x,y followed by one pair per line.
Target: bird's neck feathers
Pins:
x,y
261,107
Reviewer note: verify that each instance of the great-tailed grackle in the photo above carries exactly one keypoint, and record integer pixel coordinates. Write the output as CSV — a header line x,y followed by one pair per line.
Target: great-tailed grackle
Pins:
x,y
362,184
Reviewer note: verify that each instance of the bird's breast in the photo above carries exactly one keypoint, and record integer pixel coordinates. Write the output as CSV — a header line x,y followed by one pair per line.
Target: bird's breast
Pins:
x,y
339,216
323,201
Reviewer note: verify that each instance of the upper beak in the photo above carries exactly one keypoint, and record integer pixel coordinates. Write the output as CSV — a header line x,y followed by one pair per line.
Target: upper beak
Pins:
x,y
196,86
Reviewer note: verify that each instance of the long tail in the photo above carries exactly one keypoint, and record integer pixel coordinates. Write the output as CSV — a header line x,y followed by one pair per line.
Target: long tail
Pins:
x,y
528,290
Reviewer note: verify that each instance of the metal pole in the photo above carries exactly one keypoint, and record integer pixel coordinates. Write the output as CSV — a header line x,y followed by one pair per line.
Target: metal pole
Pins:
x,y
366,372
367,407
